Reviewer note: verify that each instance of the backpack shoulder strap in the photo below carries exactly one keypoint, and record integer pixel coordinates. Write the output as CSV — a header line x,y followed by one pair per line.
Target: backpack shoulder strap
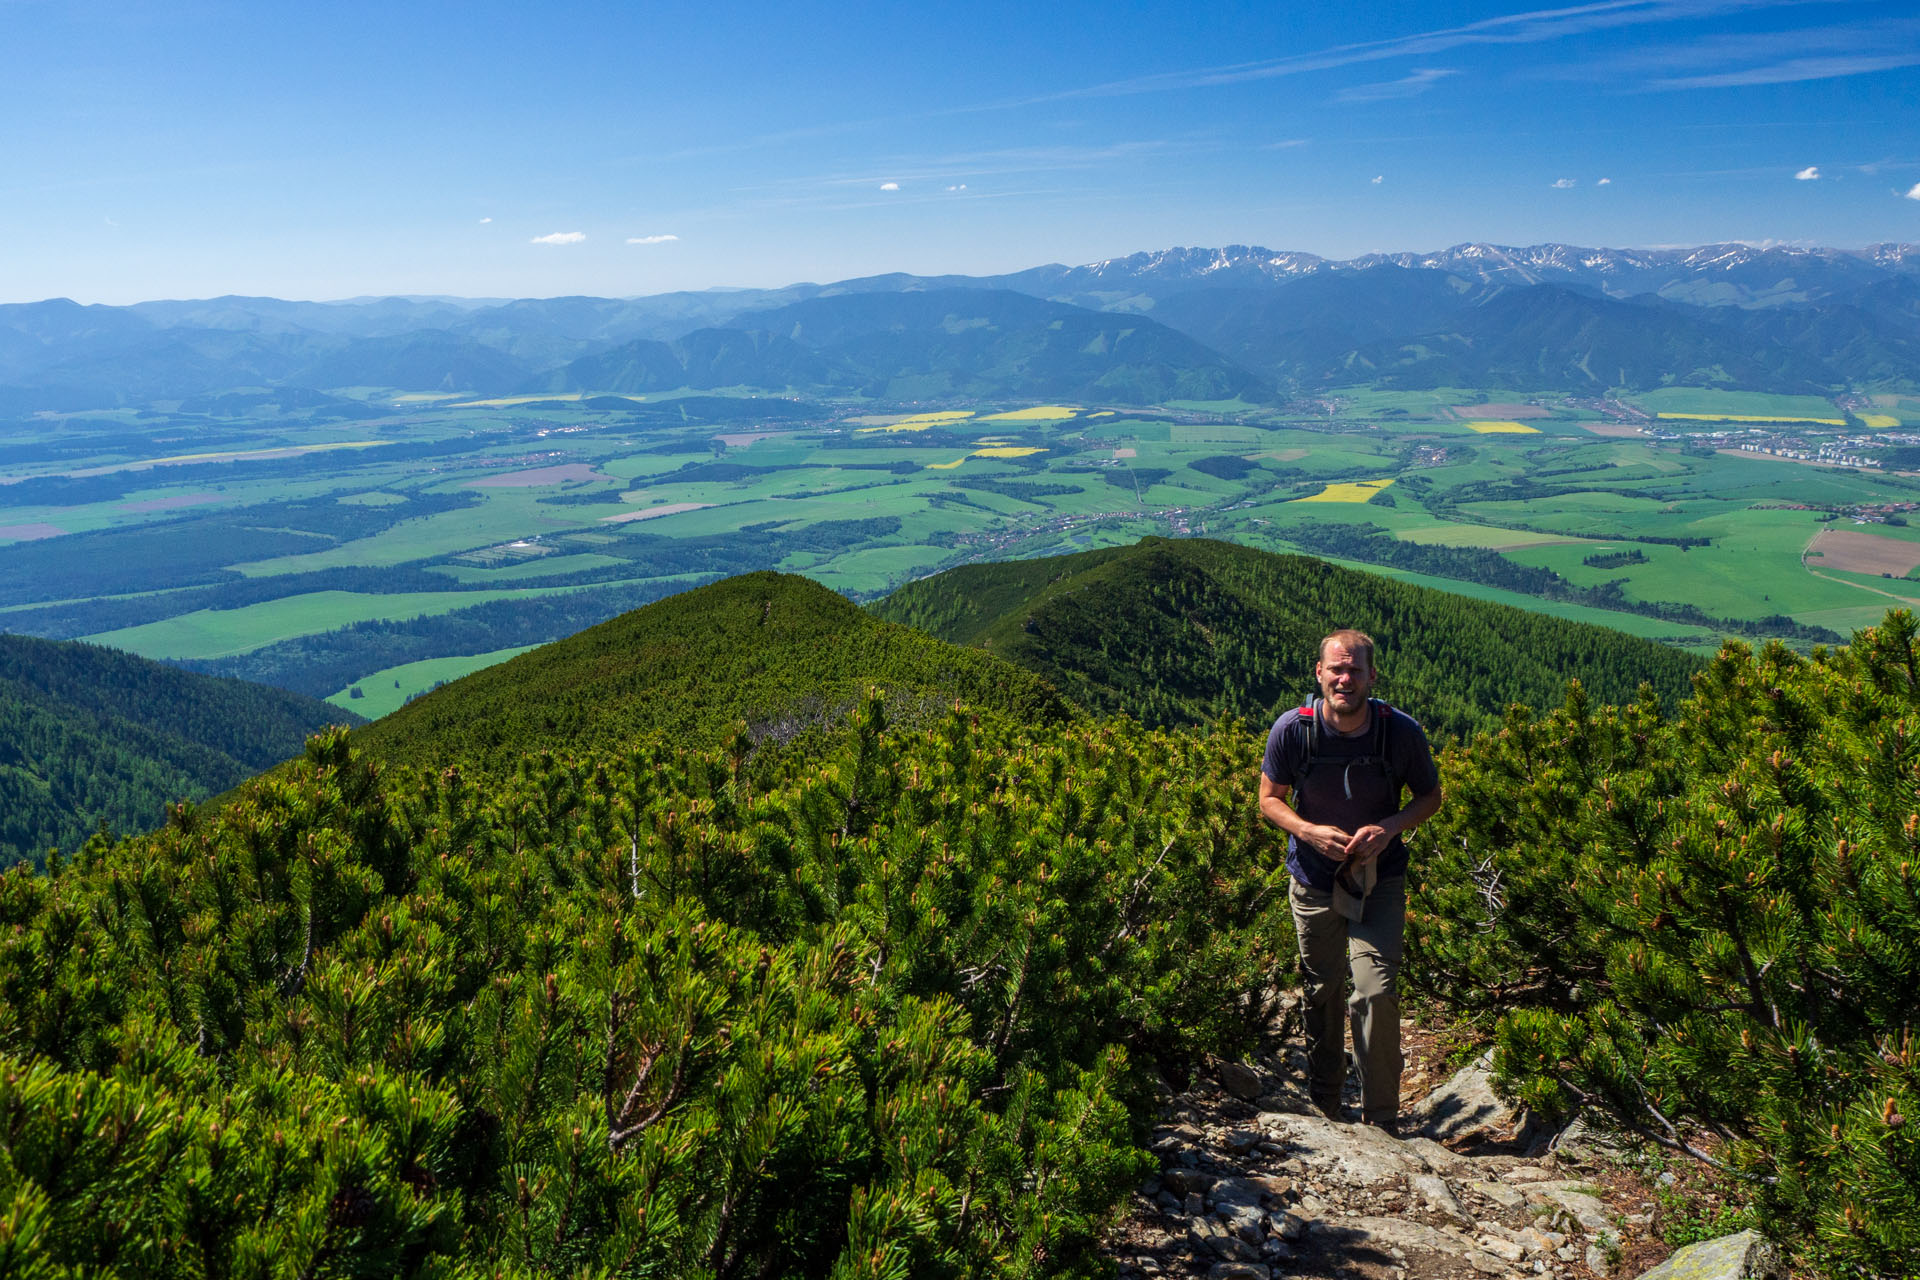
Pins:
x,y
1382,722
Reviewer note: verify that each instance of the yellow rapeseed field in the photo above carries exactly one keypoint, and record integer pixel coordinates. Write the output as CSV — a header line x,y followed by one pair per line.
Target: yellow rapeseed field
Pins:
x,y
1502,427
1357,492
1007,451
1753,417
1878,420
1039,413
945,466
920,421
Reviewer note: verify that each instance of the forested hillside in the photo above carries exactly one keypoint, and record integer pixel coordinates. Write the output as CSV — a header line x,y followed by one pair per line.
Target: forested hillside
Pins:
x,y
659,1012
1189,631
90,735
887,1002
779,653
1708,927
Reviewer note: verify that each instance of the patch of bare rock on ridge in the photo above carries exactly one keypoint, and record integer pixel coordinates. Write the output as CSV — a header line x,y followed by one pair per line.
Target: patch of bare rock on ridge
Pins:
x,y
1256,1185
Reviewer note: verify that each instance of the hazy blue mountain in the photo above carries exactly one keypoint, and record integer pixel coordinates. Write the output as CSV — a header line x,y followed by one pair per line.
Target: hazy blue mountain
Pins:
x,y
1838,316
953,341
426,360
1290,330
1548,337
998,342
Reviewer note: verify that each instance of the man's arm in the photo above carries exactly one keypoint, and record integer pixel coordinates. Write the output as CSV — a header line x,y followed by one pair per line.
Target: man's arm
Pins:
x,y
1369,840
1328,841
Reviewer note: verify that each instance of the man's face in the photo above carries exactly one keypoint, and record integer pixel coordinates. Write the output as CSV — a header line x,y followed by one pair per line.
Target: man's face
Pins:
x,y
1346,678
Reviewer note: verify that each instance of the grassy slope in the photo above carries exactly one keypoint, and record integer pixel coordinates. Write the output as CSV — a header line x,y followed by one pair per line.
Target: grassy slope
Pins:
x,y
1185,631
781,652
90,734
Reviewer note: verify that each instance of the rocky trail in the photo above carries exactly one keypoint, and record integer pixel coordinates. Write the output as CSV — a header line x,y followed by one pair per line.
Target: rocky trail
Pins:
x,y
1255,1184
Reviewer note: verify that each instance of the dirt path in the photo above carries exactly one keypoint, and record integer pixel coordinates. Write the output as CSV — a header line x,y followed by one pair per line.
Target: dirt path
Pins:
x,y
1256,1185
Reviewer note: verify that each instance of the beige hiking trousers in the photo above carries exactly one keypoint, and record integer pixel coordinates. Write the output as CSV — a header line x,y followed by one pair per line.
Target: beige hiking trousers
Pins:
x,y
1331,946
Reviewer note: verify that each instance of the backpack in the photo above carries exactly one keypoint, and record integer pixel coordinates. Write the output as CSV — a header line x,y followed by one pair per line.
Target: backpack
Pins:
x,y
1374,757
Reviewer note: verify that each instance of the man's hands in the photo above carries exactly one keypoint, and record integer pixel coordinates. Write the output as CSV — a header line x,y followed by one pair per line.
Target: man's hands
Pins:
x,y
1337,843
1343,846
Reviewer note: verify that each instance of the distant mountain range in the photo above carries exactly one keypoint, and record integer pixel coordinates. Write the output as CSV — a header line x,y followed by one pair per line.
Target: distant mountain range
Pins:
x,y
1173,324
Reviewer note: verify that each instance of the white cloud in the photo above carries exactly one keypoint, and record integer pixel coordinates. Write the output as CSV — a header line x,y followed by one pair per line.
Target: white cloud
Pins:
x,y
889,186
651,239
1913,192
959,187
1808,174
1379,178
1604,182
1409,86
485,221
1562,184
560,237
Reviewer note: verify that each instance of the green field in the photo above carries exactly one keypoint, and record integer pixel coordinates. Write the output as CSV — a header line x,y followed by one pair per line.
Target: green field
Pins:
x,y
389,690
484,527
1735,403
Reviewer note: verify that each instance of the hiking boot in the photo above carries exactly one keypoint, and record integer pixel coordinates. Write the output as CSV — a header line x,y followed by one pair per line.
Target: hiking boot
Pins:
x,y
1330,1108
1389,1125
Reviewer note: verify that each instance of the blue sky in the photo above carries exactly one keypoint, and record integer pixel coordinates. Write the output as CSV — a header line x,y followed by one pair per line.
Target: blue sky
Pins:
x,y
192,149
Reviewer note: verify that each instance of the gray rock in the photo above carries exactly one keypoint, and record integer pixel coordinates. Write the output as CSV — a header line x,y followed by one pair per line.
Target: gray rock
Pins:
x,y
1744,1256
1504,1249
1436,1157
1501,1194
1402,1233
1238,1271
1241,1141
1207,1235
1466,1108
1170,1202
1289,1225
1593,1216
1434,1190
1236,1191
1599,1260
1239,1080
1486,1264
1194,1204
1245,1221
1351,1155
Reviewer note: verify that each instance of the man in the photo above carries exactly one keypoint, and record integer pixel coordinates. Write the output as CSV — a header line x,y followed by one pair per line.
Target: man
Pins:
x,y
1348,756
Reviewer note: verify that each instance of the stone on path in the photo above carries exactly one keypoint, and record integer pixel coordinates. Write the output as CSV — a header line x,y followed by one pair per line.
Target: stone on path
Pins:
x,y
1239,1080
1466,1109
1745,1256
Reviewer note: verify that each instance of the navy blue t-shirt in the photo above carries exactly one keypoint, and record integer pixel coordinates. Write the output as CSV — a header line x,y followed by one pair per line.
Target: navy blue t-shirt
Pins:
x,y
1324,798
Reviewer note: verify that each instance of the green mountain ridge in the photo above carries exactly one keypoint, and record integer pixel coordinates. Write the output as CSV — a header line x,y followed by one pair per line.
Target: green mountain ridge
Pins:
x,y
91,735
1189,631
778,651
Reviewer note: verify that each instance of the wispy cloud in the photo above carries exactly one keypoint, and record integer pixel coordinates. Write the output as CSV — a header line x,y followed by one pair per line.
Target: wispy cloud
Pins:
x,y
1913,192
1731,60
958,186
1809,174
889,186
1796,69
1285,144
1379,178
1408,86
560,237
1604,182
1533,27
485,221
651,239
1563,184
